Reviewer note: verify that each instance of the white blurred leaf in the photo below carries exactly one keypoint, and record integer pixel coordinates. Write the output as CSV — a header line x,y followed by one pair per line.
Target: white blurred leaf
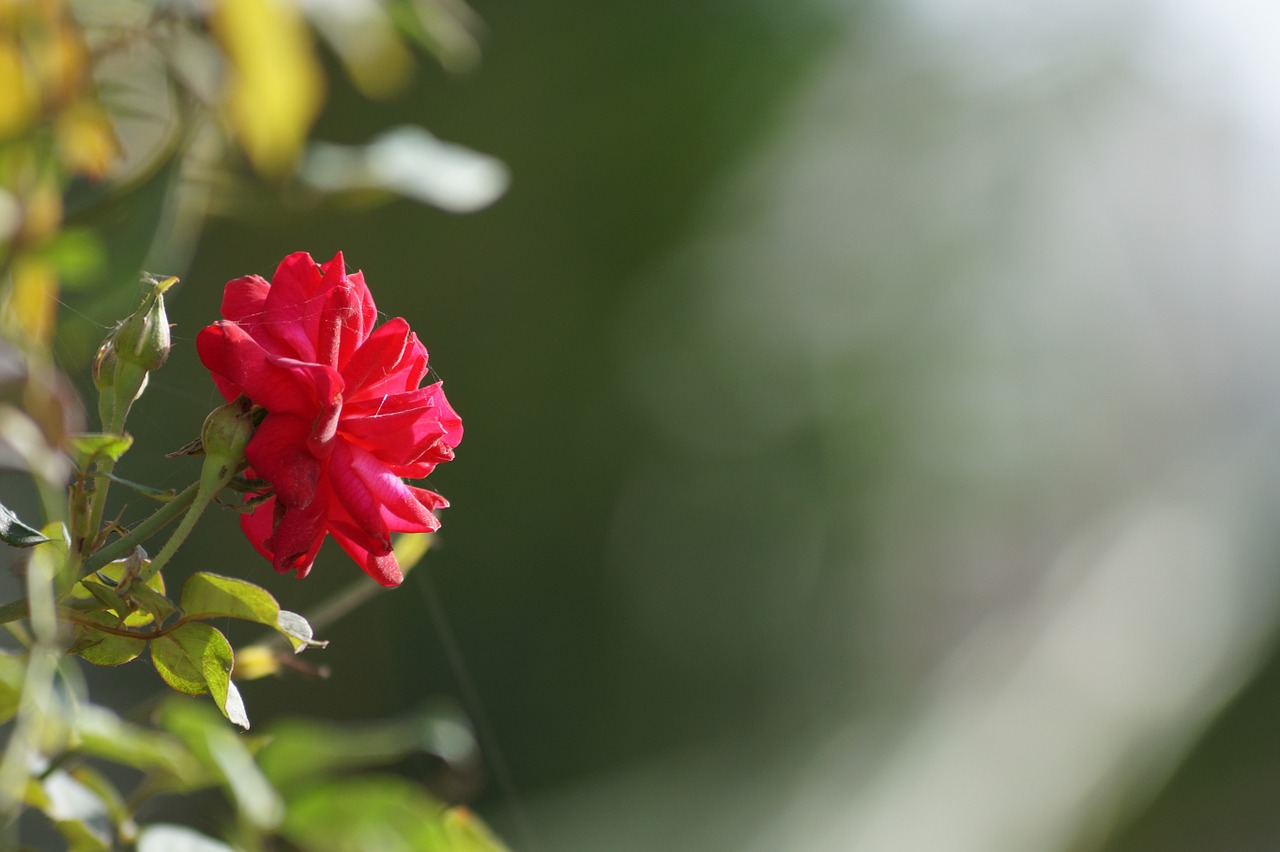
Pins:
x,y
71,801
177,838
410,162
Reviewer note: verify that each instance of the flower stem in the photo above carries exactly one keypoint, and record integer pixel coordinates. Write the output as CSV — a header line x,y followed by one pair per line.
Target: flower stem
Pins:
x,y
124,545
98,498
212,480
97,503
224,436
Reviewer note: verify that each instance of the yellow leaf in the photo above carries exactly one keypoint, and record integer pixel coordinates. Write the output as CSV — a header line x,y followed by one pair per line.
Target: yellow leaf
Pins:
x,y
86,140
60,57
20,103
34,299
42,211
277,87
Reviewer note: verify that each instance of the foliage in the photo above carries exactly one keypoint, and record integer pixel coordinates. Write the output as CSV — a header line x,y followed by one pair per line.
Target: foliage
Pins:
x,y
114,115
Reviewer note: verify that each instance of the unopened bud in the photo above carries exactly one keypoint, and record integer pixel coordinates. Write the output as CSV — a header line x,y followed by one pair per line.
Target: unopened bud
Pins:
x,y
137,346
143,338
226,433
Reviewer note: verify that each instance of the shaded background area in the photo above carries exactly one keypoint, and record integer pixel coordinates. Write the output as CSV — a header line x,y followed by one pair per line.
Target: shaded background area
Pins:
x,y
871,426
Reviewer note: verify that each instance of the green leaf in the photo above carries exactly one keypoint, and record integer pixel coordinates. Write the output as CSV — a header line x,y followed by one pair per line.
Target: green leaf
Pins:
x,y
13,671
92,446
105,649
464,832
228,756
151,601
302,752
160,837
196,659
206,595
107,596
298,631
55,552
385,813
103,734
111,576
15,533
180,668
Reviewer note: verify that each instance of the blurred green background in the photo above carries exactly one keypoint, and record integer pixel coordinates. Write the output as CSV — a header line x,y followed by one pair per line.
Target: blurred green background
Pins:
x,y
870,425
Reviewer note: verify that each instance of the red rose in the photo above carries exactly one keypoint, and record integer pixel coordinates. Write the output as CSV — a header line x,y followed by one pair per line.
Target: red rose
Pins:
x,y
346,420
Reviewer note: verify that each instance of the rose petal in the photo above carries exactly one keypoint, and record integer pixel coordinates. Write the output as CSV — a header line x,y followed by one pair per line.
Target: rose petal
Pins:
x,y
382,567
244,299
342,328
258,525
229,389
244,303
324,429
391,360
335,270
278,452
278,384
412,368
431,455
425,462
354,495
294,303
298,536
368,310
429,499
401,508
398,428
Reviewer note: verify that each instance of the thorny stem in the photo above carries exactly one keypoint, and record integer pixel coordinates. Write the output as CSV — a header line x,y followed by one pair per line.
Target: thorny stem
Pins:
x,y
124,545
98,500
198,505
